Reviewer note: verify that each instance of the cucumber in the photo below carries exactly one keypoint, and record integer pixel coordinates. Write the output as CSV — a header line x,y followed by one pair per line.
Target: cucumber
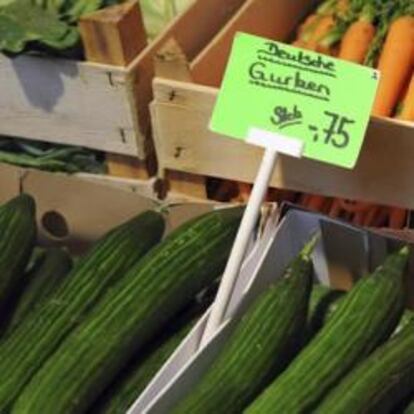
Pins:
x,y
261,346
366,316
37,337
379,383
42,281
131,314
129,387
17,238
140,371
323,303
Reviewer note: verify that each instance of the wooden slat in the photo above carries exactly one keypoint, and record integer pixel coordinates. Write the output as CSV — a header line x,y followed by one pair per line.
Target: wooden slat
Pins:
x,y
171,63
274,19
115,36
383,175
66,102
192,30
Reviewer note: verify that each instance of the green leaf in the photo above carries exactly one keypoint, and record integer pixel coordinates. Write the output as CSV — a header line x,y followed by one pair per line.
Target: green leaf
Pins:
x,y
22,22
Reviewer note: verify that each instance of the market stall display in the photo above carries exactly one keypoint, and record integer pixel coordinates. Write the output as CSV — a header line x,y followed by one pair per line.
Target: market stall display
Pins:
x,y
100,281
100,106
330,355
117,295
177,121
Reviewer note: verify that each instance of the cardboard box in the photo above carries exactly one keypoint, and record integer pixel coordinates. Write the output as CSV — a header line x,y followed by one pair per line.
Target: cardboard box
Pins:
x,y
75,211
181,113
343,255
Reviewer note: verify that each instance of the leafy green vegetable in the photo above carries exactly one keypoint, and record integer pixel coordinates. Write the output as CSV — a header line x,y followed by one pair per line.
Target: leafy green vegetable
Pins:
x,y
158,13
50,157
22,22
33,24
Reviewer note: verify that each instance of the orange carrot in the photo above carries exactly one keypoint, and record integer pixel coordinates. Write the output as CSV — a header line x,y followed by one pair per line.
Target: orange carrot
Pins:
x,y
307,25
335,209
324,27
356,41
407,111
396,65
398,218
370,216
300,43
244,192
316,203
354,206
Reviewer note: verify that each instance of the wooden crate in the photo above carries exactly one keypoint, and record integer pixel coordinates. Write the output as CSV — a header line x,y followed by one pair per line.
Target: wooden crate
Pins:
x,y
181,112
98,106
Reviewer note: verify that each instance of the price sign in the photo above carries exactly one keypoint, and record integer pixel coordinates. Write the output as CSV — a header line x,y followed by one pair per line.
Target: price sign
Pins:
x,y
294,93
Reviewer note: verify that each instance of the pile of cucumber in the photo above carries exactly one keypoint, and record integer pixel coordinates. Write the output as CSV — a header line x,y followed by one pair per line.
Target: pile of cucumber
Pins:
x,y
87,336
303,348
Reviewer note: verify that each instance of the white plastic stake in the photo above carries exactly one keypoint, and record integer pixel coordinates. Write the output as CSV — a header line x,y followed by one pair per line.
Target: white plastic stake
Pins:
x,y
249,221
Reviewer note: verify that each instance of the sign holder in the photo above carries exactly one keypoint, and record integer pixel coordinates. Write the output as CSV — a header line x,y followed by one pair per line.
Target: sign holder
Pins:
x,y
251,215
312,110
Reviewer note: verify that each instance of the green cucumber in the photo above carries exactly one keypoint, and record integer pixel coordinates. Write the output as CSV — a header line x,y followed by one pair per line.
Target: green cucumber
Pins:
x,y
129,387
261,346
32,342
366,316
379,383
42,281
17,238
323,303
132,314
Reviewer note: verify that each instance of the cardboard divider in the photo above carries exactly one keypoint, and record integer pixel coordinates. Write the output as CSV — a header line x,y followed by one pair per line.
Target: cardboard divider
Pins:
x,y
188,364
75,211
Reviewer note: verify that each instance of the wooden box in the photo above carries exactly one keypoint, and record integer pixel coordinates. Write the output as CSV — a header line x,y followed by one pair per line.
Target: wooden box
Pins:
x,y
181,112
97,106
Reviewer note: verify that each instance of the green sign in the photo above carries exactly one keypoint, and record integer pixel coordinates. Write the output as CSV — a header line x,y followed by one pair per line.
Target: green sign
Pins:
x,y
273,87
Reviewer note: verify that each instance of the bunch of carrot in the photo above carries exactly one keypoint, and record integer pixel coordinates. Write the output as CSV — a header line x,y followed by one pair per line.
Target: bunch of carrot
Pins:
x,y
378,33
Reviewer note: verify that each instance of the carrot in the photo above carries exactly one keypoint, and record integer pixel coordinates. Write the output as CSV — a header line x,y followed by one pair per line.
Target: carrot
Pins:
x,y
244,192
300,43
307,25
354,206
356,41
316,203
325,26
370,216
398,218
396,65
407,111
335,209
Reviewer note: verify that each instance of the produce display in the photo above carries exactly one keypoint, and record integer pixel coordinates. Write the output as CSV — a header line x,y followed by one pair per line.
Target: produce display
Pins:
x,y
376,33
118,314
48,272
274,323
33,341
96,332
52,27
52,30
